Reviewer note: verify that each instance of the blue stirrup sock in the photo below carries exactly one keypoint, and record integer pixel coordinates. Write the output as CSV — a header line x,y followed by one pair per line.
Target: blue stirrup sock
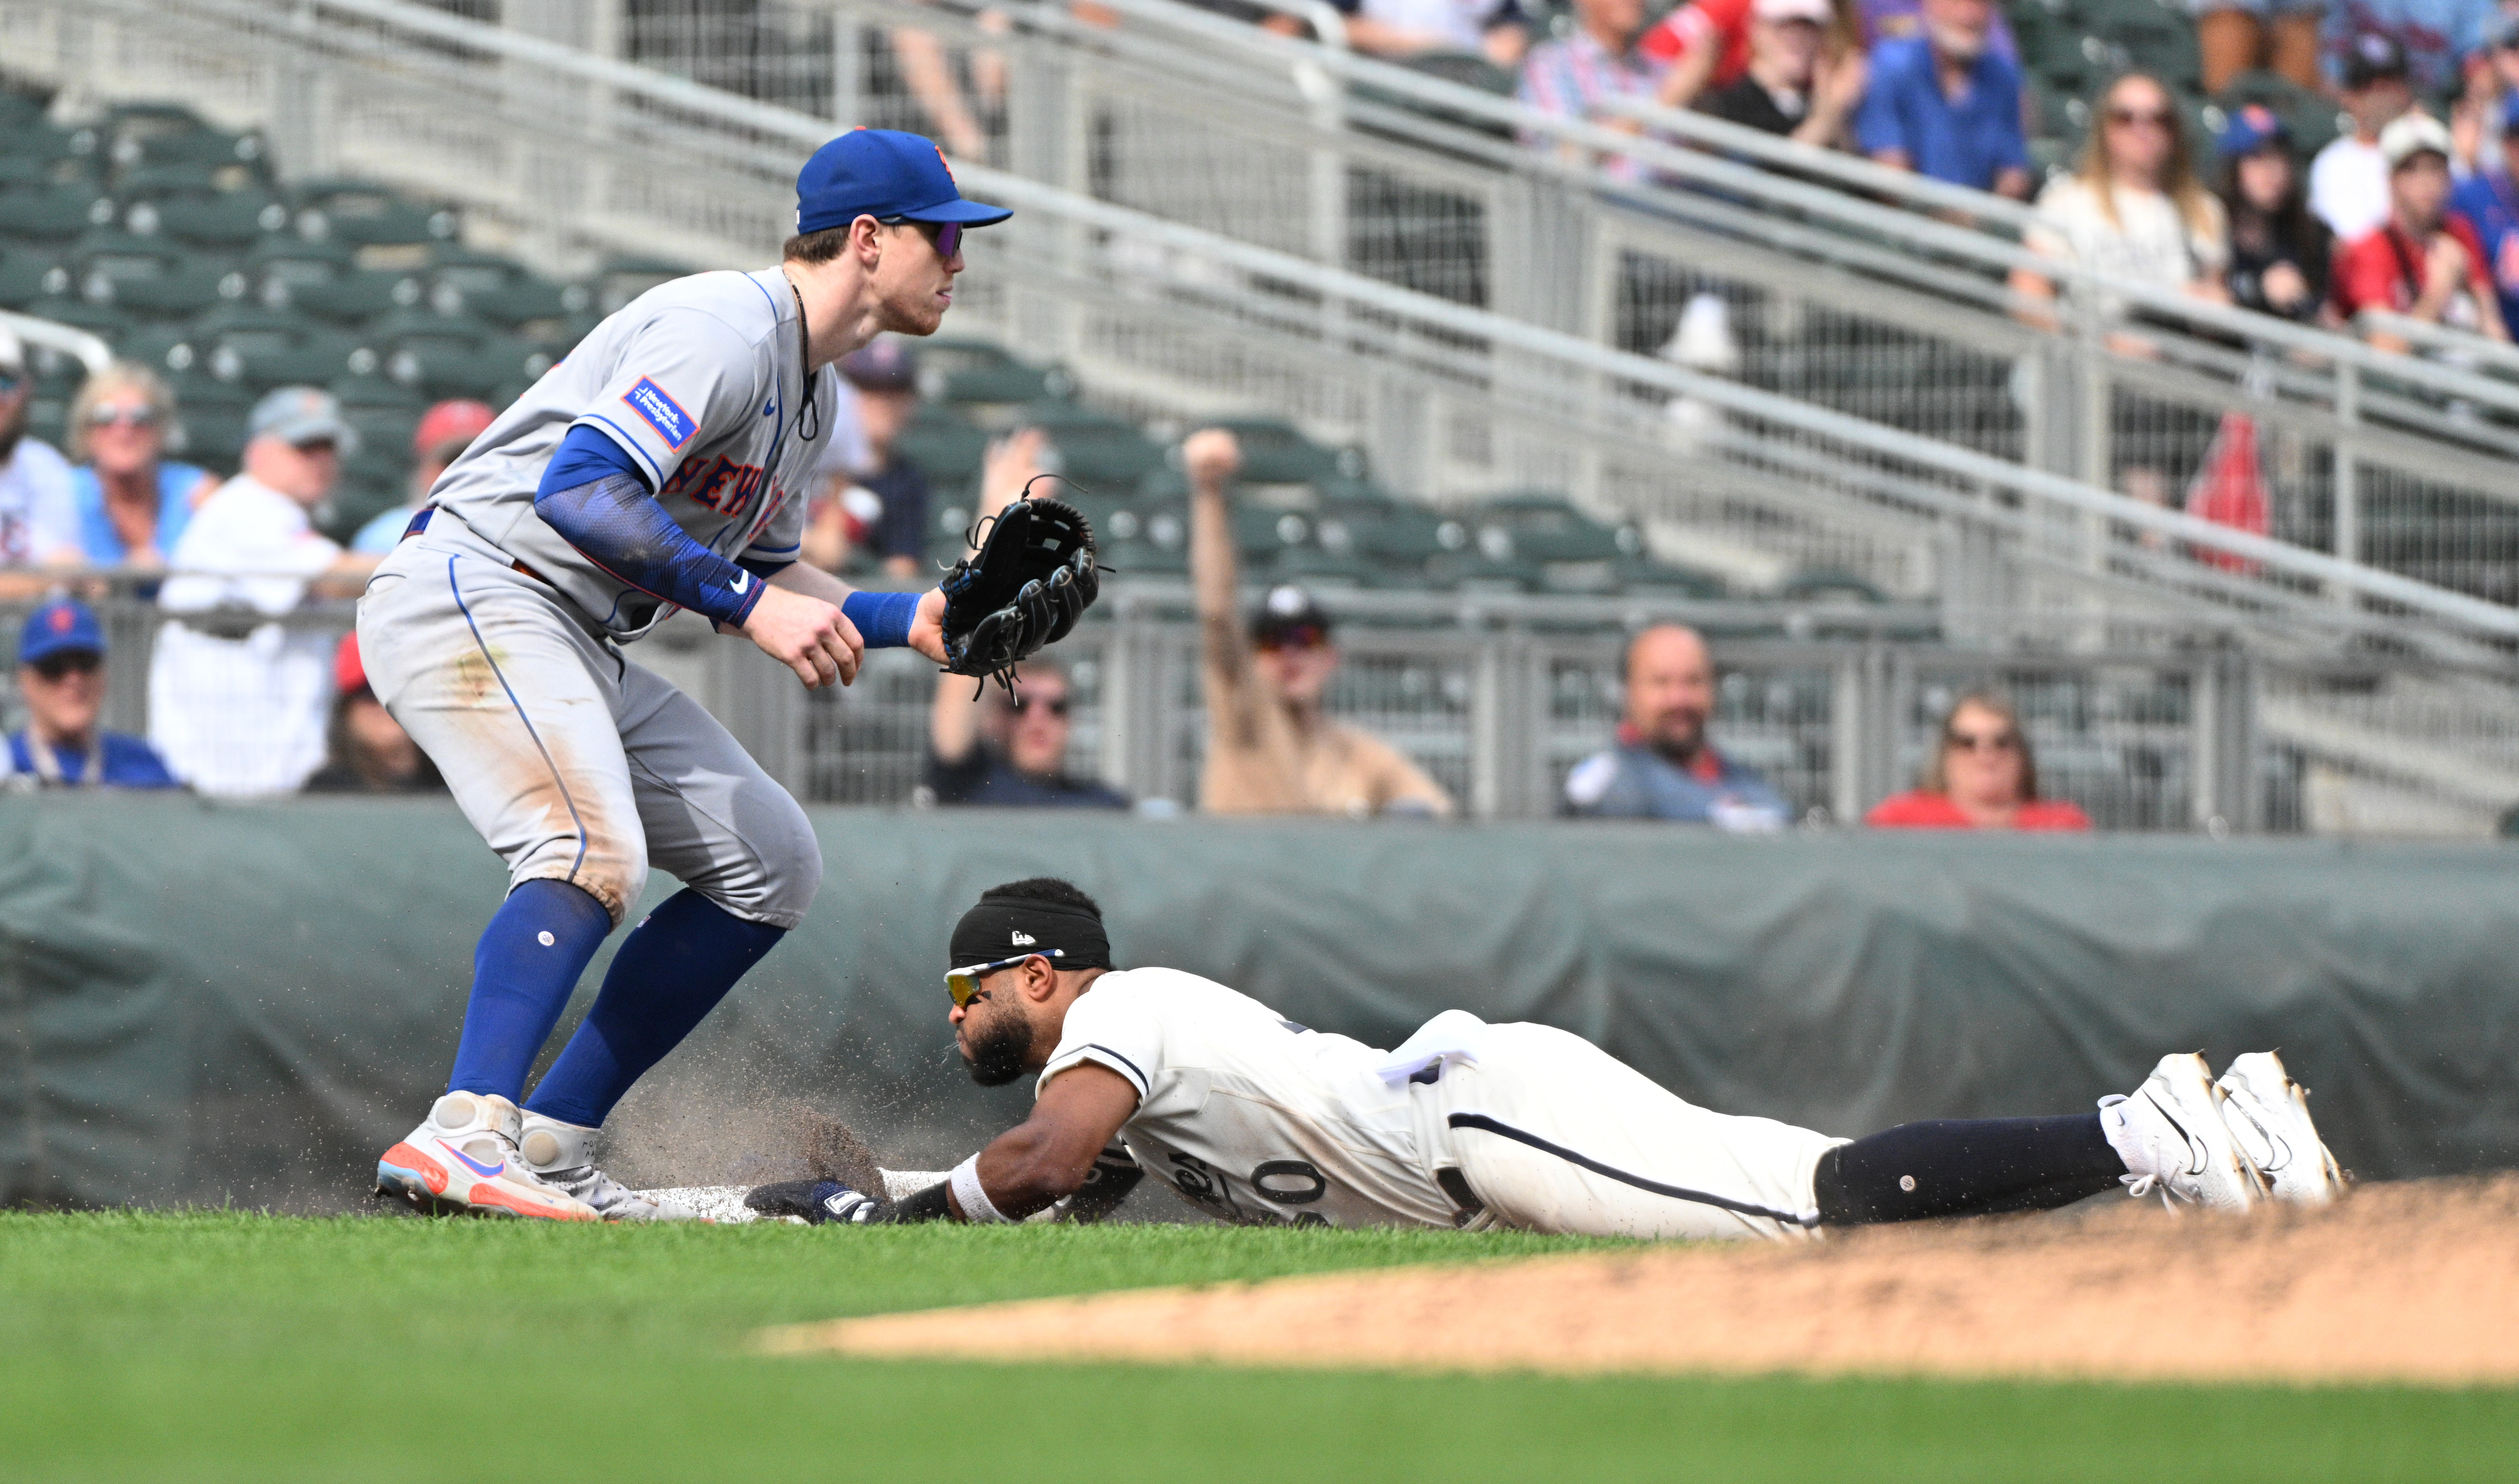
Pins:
x,y
527,965
670,972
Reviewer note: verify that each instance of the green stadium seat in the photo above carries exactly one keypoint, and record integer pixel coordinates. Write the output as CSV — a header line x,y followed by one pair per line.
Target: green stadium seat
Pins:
x,y
1276,451
624,279
361,214
386,412
212,436
297,261
21,277
356,296
945,447
20,111
52,214
975,372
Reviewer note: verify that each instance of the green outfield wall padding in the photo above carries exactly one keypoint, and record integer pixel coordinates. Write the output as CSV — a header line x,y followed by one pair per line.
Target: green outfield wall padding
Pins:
x,y
213,1003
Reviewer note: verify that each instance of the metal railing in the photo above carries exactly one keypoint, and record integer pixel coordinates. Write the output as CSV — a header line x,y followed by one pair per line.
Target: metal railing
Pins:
x,y
1890,309
1498,712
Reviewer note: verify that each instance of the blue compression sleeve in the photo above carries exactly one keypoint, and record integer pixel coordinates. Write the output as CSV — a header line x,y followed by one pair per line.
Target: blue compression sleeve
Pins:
x,y
612,520
882,618
586,456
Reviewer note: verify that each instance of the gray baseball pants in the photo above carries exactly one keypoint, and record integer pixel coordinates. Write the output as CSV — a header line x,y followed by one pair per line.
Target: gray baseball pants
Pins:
x,y
574,764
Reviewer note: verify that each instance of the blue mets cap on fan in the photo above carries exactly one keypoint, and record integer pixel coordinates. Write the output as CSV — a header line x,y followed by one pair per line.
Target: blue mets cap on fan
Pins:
x,y
883,173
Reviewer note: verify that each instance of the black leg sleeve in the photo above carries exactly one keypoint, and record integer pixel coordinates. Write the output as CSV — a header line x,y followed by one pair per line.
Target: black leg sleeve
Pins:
x,y
1965,1167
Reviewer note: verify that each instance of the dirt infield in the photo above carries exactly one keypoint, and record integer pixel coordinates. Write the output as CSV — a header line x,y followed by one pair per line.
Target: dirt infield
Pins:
x,y
2415,1283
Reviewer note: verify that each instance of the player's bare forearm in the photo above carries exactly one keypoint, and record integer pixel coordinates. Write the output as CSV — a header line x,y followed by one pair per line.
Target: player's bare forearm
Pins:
x,y
1045,1158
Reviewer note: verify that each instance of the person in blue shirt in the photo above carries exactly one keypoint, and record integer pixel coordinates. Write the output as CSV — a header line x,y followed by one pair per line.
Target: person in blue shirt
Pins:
x,y
1009,751
132,501
60,674
1944,105
2490,200
1661,766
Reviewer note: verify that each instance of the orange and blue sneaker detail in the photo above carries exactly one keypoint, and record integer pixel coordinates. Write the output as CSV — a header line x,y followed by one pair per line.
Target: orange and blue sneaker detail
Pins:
x,y
463,1160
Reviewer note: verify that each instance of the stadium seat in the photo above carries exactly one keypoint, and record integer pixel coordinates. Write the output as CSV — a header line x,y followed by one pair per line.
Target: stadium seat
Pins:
x,y
944,446
2311,117
361,214
52,214
975,372
21,277
356,296
386,412
624,279
1276,451
1094,447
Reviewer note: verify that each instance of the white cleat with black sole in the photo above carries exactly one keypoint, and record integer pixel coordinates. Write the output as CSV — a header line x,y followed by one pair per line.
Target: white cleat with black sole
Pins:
x,y
562,1155
2267,1113
2173,1138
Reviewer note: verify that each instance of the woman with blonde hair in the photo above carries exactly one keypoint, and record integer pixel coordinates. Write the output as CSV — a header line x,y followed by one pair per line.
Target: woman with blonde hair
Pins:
x,y
132,501
1982,777
2132,209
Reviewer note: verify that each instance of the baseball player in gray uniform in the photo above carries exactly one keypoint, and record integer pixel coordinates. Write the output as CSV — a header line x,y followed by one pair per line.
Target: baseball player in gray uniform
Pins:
x,y
664,465
1255,1118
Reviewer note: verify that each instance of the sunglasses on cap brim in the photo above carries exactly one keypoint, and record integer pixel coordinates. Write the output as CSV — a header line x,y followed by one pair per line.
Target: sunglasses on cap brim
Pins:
x,y
964,984
947,235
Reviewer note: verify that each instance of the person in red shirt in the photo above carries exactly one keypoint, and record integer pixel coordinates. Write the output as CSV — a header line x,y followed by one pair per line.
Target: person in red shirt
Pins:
x,y
2426,261
1704,43
1982,777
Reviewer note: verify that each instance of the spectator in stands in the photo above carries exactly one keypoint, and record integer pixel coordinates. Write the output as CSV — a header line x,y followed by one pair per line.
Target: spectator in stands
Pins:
x,y
1705,45
2279,247
1792,87
237,700
883,503
2434,37
38,523
1879,20
1271,748
132,501
445,431
1010,751
2132,209
1597,62
1982,777
1400,30
365,750
2479,121
2488,200
2426,262
2279,36
61,677
2348,182
1946,105
1661,766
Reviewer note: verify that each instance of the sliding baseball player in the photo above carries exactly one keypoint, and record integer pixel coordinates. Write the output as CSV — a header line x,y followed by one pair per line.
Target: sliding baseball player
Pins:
x,y
1257,1119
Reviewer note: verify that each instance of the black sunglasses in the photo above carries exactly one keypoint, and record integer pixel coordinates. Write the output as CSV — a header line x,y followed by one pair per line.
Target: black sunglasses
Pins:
x,y
1056,705
53,667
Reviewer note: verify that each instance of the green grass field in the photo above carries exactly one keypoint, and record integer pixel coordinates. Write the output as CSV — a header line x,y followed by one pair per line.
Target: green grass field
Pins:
x,y
226,1346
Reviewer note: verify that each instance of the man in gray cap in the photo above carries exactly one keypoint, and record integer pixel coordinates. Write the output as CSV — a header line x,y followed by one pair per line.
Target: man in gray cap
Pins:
x,y
237,701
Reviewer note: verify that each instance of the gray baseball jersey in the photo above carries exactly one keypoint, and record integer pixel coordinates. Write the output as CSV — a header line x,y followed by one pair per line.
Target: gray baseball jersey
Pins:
x,y
701,380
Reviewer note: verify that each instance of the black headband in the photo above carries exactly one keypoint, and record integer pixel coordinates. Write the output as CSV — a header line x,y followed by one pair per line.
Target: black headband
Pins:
x,y
1004,927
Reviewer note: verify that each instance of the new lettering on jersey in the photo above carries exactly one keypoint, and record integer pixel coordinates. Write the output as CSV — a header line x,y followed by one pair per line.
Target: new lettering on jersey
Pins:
x,y
1249,1116
697,381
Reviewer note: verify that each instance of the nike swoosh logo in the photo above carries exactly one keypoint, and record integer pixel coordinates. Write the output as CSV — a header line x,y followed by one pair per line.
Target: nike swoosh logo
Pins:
x,y
742,581
485,1172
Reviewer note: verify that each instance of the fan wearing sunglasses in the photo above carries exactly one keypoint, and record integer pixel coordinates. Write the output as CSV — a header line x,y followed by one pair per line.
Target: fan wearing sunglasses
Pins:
x,y
1010,752
1260,1121
61,677
666,464
133,501
1982,777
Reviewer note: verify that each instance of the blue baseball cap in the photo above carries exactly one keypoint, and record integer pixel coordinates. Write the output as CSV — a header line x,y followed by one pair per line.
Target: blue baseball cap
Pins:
x,y
59,627
2251,128
883,173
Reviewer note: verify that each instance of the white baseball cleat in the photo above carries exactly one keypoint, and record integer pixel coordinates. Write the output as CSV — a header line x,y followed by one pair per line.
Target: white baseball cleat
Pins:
x,y
464,1158
2267,1113
562,1155
2172,1136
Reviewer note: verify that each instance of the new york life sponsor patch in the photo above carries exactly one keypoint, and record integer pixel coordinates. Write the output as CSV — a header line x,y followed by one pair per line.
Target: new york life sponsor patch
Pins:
x,y
663,412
